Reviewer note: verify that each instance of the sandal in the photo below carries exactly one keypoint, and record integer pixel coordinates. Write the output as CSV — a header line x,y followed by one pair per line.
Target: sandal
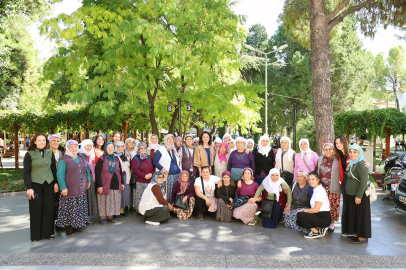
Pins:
x,y
79,229
70,232
357,241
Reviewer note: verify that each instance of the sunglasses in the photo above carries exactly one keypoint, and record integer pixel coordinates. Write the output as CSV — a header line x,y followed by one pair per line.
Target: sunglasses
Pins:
x,y
340,136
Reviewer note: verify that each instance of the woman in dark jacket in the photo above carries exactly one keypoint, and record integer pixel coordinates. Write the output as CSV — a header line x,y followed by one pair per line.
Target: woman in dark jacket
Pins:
x,y
186,187
225,196
264,159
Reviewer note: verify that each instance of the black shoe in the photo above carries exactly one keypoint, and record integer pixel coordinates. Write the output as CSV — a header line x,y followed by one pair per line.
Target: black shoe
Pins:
x,y
351,238
132,209
357,241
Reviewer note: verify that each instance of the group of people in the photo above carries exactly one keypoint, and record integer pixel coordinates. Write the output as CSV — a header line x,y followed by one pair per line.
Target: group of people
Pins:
x,y
232,178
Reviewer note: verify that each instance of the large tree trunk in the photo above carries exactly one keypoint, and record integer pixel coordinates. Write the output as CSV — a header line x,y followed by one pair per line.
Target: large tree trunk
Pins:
x,y
320,68
151,99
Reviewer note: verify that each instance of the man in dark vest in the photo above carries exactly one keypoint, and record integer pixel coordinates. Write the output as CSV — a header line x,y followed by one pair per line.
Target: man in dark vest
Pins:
x,y
186,154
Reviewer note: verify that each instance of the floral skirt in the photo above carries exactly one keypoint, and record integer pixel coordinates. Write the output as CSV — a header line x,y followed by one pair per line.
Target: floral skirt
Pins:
x,y
334,199
290,221
246,212
185,214
172,179
72,212
138,191
109,205
93,209
223,212
236,174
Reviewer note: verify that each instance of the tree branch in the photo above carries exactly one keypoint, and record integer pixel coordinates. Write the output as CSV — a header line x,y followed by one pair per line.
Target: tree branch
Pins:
x,y
346,12
336,10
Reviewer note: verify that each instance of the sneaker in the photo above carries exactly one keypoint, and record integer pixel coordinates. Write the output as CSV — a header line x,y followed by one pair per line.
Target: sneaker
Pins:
x,y
200,217
311,234
152,223
282,220
252,222
113,219
323,231
103,222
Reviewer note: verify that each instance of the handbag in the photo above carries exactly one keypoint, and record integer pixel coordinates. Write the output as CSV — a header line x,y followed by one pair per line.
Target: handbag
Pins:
x,y
240,200
370,190
267,207
286,175
179,203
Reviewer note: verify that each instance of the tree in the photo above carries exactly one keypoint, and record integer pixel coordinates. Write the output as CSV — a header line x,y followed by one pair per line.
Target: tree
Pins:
x,y
120,58
257,35
316,19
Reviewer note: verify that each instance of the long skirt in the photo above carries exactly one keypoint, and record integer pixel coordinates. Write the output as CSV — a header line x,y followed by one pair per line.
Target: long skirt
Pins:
x,y
93,209
157,214
334,199
344,222
109,205
223,212
126,199
290,221
273,222
317,220
72,212
56,203
172,179
236,174
138,191
245,212
185,214
42,211
359,216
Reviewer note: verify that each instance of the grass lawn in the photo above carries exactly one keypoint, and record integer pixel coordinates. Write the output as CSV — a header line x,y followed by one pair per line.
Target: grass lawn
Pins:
x,y
372,180
11,174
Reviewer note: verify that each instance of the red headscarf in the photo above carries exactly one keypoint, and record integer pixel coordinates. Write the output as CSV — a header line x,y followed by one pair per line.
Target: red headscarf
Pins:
x,y
183,185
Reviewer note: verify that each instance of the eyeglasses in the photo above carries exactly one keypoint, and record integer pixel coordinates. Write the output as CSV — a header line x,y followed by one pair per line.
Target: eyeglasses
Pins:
x,y
160,176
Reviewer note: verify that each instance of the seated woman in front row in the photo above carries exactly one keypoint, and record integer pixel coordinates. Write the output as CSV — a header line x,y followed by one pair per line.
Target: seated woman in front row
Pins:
x,y
184,186
225,197
301,194
273,185
153,205
318,216
205,186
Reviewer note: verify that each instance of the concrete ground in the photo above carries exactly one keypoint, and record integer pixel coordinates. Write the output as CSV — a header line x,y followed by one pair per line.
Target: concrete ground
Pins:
x,y
195,244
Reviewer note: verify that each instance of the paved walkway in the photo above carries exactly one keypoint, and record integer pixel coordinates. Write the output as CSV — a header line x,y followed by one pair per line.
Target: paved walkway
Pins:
x,y
193,243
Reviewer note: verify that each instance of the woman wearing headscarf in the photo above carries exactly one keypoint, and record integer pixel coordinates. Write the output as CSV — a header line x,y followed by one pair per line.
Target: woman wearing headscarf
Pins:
x,y
87,152
247,211
306,160
41,183
251,144
231,145
166,159
285,158
142,167
74,180
130,150
53,145
329,173
186,154
217,142
196,141
239,160
318,216
204,154
153,205
178,142
109,183
264,159
221,160
153,146
98,142
226,137
185,187
225,197
126,199
301,194
358,211
275,188
205,187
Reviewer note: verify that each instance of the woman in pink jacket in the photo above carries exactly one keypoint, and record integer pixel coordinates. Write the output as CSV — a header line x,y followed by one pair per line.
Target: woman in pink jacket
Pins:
x,y
306,160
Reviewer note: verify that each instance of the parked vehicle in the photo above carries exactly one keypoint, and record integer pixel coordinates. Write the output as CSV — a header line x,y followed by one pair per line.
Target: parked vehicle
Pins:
x,y
393,173
400,196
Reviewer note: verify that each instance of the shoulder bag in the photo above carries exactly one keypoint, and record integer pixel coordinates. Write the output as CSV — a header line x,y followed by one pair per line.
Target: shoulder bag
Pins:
x,y
286,175
178,200
370,191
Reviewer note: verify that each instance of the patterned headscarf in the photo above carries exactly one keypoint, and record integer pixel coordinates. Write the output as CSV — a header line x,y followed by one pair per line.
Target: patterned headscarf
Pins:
x,y
155,181
52,136
183,185
69,143
120,154
142,156
167,145
111,158
304,173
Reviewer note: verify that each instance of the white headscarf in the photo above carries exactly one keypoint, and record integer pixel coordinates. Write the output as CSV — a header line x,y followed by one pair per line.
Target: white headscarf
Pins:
x,y
271,186
290,151
218,140
264,150
153,146
167,145
69,143
240,139
308,151
235,146
196,139
119,153
82,147
226,135
253,143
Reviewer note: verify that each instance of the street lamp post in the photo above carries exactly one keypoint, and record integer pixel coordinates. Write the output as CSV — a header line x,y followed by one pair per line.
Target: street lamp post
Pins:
x,y
286,113
169,108
266,77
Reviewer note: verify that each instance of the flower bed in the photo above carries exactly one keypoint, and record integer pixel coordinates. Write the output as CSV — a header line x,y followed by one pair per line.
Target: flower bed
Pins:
x,y
11,186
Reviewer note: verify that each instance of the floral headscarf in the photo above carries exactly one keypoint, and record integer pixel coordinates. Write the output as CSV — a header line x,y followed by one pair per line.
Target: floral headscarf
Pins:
x,y
183,185
142,156
69,143
167,145
52,136
155,181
